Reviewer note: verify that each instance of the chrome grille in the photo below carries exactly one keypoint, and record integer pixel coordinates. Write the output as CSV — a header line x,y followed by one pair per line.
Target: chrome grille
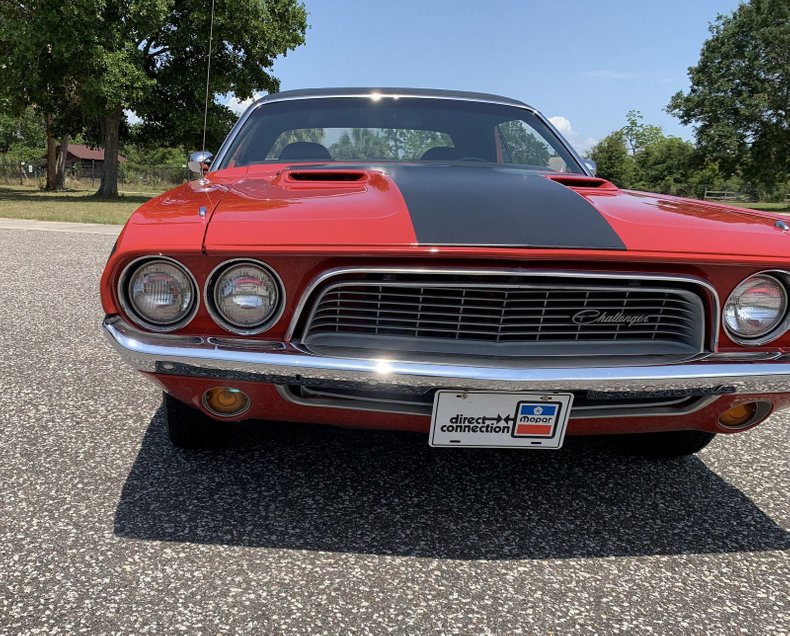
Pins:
x,y
507,316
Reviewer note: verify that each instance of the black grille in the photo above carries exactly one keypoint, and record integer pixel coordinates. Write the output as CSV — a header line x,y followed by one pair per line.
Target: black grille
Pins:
x,y
465,317
421,403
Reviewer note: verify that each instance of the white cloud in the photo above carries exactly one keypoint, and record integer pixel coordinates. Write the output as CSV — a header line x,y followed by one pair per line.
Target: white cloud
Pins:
x,y
239,106
606,74
581,143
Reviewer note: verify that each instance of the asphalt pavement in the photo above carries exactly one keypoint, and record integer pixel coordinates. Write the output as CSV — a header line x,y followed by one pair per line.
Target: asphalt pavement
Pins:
x,y
104,528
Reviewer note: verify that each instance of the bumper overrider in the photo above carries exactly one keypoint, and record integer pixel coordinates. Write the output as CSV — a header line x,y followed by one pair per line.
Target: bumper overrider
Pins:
x,y
286,364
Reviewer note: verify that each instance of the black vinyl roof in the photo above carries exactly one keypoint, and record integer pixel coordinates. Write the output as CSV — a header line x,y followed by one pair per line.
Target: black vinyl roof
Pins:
x,y
385,91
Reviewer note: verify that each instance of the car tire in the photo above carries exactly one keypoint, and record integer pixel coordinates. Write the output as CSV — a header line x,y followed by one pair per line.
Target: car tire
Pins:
x,y
191,429
664,445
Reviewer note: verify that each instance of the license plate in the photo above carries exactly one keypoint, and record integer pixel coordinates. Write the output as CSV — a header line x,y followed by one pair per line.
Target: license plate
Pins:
x,y
484,419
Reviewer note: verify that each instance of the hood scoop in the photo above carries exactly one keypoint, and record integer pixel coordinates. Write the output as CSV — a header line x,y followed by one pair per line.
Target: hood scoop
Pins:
x,y
582,182
324,176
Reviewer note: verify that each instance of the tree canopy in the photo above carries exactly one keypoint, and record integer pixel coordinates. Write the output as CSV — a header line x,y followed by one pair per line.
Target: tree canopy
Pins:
x,y
248,36
21,132
739,100
99,58
386,144
41,45
613,161
361,143
637,135
524,147
639,156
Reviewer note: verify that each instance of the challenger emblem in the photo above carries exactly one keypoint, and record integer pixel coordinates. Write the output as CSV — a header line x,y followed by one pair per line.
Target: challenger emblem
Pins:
x,y
596,317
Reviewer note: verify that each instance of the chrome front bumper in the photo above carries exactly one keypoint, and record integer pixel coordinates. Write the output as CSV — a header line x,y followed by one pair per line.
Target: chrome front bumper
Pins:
x,y
281,363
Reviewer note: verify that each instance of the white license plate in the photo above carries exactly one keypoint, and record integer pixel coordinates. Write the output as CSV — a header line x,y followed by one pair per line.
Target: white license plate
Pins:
x,y
484,419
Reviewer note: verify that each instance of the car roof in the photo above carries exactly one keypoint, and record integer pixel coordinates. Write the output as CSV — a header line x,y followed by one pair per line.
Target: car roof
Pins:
x,y
309,93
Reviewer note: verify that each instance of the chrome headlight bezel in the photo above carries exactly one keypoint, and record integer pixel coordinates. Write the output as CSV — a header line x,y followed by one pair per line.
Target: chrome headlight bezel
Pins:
x,y
216,315
782,279
124,295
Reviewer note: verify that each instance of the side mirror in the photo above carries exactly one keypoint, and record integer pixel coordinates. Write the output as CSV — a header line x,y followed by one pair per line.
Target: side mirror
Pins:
x,y
591,166
200,162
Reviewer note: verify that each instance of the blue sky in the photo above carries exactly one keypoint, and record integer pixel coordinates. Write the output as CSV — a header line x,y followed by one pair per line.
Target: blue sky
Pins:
x,y
586,62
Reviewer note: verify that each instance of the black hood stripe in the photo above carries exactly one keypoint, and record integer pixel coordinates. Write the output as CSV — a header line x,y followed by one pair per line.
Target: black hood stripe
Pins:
x,y
477,205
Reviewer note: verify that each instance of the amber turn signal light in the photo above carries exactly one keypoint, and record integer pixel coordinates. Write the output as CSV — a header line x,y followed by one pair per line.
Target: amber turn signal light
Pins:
x,y
738,416
225,401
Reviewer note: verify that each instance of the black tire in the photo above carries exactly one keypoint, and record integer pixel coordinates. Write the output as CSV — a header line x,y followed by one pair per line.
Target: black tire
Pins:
x,y
191,429
664,445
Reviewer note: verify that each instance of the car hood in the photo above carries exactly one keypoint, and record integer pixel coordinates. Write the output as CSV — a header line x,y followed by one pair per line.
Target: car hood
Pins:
x,y
439,205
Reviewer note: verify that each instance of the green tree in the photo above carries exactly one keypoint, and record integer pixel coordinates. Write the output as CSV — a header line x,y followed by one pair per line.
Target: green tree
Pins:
x,y
363,144
414,143
739,100
705,175
525,148
313,135
23,131
40,64
149,56
665,166
396,139
142,154
636,135
613,160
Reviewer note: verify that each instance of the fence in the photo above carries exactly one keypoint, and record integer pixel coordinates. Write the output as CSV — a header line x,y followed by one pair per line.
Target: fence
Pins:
x,y
84,177
723,195
20,173
152,177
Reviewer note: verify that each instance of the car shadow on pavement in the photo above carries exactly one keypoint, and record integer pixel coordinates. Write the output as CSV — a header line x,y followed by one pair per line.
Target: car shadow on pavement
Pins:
x,y
318,488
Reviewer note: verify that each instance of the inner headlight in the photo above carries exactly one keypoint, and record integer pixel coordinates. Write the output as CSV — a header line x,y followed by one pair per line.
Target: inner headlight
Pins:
x,y
756,307
160,293
245,296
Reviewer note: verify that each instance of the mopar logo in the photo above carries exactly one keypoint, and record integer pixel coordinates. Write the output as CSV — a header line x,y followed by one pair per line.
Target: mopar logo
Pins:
x,y
536,413
596,317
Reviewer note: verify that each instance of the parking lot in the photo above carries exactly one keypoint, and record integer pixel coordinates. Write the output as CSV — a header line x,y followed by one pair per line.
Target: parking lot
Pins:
x,y
106,528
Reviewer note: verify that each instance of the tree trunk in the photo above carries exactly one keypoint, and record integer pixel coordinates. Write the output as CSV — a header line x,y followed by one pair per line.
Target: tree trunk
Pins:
x,y
52,180
60,163
110,127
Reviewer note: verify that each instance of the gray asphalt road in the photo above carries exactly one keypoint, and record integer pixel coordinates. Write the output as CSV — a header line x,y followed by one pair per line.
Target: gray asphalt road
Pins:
x,y
104,528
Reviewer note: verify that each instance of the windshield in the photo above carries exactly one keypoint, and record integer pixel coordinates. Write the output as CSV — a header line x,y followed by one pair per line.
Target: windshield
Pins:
x,y
405,129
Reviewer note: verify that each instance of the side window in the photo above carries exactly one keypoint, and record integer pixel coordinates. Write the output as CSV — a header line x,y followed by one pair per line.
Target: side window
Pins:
x,y
522,145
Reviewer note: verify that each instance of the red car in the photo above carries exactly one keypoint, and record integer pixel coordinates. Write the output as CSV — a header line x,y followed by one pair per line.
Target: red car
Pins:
x,y
444,262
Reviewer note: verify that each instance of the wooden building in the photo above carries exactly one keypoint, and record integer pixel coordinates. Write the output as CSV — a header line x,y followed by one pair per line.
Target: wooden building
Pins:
x,y
85,161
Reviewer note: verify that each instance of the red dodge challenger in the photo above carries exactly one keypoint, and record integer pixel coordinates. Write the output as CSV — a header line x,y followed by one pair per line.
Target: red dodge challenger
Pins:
x,y
444,262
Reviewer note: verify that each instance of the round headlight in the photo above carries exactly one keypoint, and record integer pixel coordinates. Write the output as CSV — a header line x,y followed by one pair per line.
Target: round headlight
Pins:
x,y
161,294
756,307
246,296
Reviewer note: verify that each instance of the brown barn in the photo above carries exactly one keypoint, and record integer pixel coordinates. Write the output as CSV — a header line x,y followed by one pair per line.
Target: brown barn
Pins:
x,y
85,161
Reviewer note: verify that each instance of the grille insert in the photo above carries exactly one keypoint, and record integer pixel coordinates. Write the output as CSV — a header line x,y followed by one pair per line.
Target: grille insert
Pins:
x,y
507,317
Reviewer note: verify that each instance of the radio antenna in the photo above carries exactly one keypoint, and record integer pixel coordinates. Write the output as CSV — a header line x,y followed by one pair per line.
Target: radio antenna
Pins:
x,y
208,74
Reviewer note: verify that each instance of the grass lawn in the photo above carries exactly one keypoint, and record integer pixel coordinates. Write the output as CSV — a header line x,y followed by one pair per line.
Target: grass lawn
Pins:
x,y
18,202
783,208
